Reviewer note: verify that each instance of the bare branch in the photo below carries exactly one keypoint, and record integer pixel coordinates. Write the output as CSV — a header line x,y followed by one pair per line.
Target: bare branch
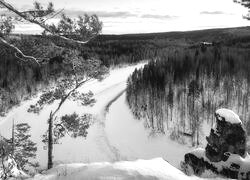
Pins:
x,y
19,54
69,93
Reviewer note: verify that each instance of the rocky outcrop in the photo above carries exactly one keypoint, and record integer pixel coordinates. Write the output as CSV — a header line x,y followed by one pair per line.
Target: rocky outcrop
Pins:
x,y
225,153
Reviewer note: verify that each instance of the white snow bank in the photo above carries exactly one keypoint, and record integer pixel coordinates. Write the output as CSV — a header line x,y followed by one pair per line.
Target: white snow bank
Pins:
x,y
141,169
229,116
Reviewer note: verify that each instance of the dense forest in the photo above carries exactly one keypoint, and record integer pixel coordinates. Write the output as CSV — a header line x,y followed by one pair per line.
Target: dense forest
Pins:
x,y
20,80
181,89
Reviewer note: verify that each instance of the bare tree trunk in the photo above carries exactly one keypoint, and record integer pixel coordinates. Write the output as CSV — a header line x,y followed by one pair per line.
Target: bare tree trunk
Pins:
x,y
197,128
50,141
193,121
166,109
13,137
171,114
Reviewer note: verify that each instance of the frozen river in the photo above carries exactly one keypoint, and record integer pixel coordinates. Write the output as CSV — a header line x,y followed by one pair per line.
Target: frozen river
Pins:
x,y
113,135
133,141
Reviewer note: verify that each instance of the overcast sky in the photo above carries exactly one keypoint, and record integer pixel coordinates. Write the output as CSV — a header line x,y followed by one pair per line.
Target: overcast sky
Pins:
x,y
142,16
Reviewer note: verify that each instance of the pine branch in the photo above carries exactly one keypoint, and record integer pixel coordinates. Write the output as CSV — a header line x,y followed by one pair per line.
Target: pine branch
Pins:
x,y
38,17
37,22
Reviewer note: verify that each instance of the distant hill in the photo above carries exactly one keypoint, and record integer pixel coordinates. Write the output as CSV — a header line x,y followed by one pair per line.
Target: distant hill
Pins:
x,y
211,35
207,34
223,35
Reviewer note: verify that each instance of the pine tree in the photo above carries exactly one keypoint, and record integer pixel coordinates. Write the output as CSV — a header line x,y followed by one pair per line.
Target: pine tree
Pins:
x,y
24,148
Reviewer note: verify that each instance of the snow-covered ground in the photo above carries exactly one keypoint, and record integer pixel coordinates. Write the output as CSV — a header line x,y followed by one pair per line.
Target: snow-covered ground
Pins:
x,y
155,169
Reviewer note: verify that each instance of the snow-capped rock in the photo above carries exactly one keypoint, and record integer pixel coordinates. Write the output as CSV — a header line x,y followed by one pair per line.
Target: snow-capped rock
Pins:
x,y
225,153
228,115
228,136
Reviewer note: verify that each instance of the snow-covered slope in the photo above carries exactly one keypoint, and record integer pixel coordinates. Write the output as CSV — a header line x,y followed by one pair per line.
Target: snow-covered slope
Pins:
x,y
137,170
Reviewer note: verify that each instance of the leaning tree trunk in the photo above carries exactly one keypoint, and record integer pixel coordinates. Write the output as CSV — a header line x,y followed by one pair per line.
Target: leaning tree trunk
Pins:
x,y
50,121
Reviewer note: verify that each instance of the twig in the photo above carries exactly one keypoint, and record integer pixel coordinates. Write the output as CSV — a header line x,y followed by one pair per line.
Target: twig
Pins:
x,y
54,15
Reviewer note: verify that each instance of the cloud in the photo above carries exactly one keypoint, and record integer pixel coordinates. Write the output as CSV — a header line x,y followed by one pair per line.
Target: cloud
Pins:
x,y
213,12
116,14
76,13
156,16
104,14
123,14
